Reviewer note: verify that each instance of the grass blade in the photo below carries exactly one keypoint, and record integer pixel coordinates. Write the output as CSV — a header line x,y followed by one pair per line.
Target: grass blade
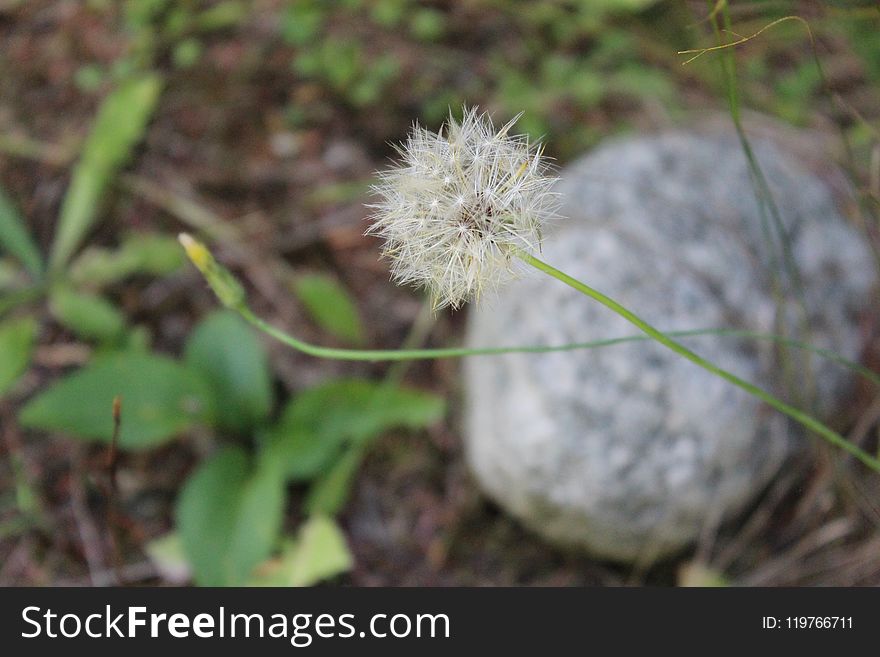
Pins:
x,y
118,128
14,237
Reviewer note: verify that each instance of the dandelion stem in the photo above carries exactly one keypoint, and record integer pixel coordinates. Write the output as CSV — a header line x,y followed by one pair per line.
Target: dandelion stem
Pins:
x,y
796,414
231,293
390,355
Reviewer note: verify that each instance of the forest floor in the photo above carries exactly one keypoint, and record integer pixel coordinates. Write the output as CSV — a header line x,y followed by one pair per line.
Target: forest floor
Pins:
x,y
271,127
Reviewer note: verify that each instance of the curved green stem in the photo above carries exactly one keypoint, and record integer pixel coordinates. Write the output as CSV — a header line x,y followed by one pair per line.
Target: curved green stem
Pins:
x,y
230,292
796,414
389,355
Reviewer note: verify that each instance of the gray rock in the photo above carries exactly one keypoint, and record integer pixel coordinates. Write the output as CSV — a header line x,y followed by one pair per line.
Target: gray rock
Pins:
x,y
627,451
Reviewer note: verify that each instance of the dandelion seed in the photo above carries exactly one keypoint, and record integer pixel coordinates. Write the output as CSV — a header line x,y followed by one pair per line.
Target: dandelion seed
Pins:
x,y
458,206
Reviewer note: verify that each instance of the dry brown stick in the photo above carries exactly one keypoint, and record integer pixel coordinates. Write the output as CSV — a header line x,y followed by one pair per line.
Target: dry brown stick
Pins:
x,y
131,573
757,521
89,535
787,564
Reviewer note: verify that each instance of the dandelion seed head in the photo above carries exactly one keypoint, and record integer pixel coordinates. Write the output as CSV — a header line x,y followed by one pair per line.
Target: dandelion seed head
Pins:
x,y
458,205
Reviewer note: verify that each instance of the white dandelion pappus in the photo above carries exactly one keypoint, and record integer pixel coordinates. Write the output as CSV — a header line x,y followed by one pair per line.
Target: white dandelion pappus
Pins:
x,y
459,204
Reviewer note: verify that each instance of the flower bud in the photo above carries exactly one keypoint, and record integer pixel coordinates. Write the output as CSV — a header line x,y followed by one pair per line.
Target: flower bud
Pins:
x,y
225,285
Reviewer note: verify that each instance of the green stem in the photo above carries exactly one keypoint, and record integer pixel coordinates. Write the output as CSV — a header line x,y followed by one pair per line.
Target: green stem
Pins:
x,y
388,355
767,204
231,293
796,414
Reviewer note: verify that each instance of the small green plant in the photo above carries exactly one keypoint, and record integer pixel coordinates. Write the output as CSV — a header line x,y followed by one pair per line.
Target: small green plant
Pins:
x,y
230,511
73,290
177,27
566,63
343,64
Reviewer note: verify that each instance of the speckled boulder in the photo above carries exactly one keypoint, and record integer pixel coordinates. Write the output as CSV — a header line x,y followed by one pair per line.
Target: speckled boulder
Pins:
x,y
627,451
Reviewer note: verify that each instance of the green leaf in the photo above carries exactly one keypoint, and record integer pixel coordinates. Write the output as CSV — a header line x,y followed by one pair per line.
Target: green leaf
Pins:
x,y
17,297
341,62
233,362
89,77
388,13
186,54
118,128
330,492
160,398
154,255
89,316
330,306
10,274
301,22
302,453
229,516
318,552
222,15
167,555
427,24
139,14
317,423
600,7
15,239
359,409
16,345
177,20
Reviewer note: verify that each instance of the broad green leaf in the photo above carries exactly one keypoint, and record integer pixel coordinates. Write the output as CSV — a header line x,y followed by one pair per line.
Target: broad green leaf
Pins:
x,y
89,316
229,517
155,255
318,422
233,362
302,453
137,338
318,552
360,409
16,344
160,398
15,239
118,128
330,306
167,555
330,492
